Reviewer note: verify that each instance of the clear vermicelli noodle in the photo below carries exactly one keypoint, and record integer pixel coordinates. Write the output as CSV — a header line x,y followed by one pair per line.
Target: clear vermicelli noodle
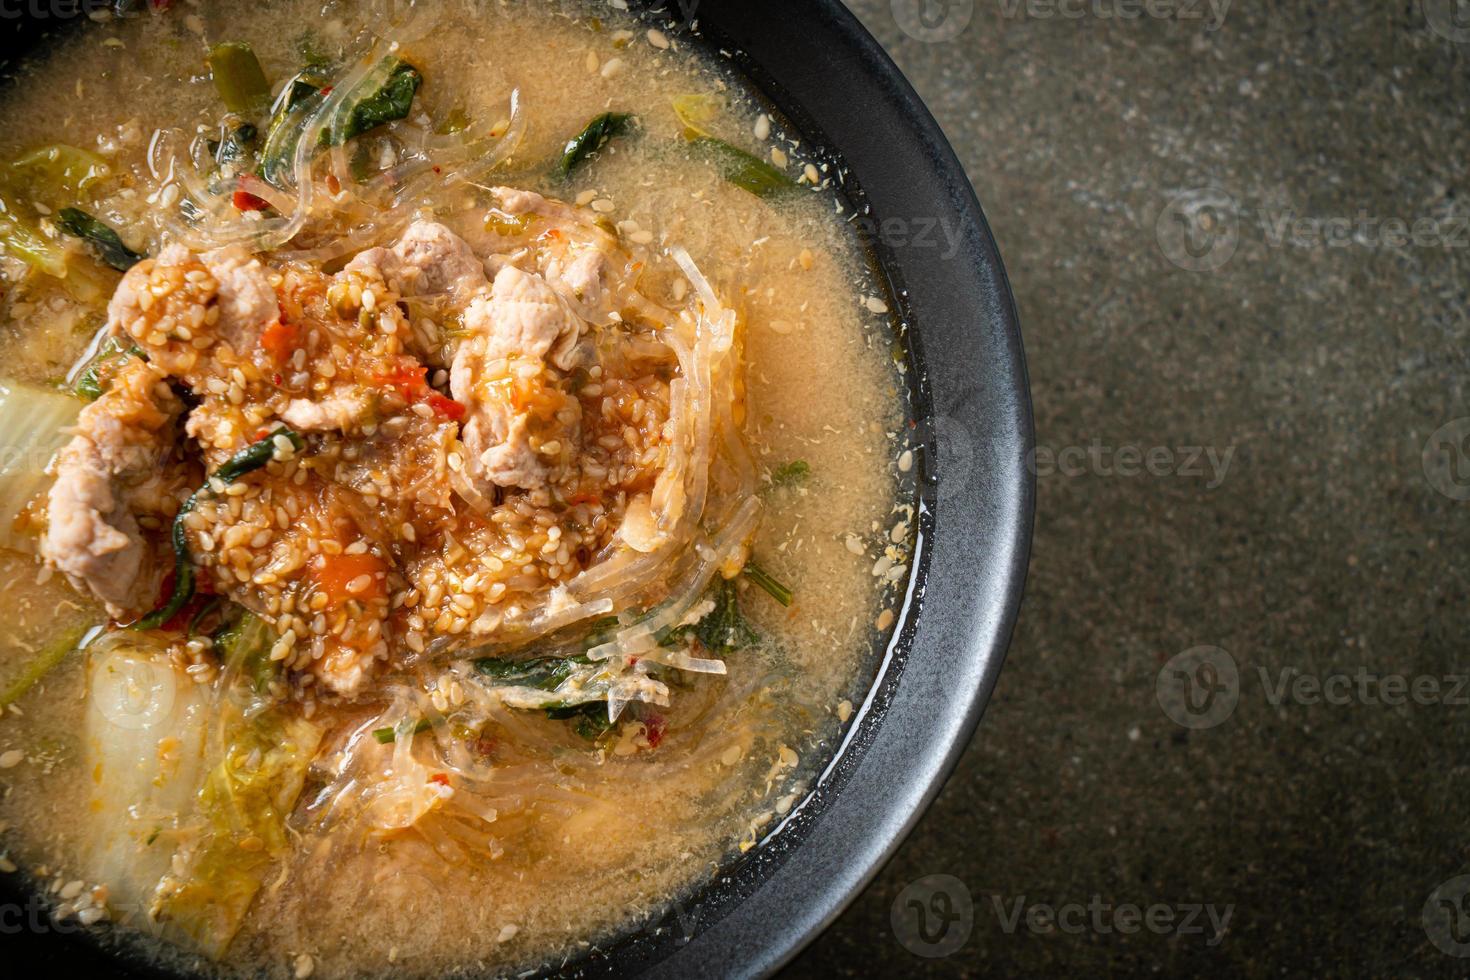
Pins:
x,y
470,479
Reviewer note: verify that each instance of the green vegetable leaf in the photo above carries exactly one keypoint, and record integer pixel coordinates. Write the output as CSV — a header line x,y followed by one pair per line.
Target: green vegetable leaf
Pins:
x,y
392,101
591,139
723,629
23,240
238,78
98,375
59,170
744,170
543,673
244,803
103,240
245,646
589,718
41,665
238,144
279,150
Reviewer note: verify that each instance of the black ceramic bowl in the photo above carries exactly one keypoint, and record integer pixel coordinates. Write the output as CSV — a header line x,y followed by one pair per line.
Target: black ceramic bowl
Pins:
x,y
971,426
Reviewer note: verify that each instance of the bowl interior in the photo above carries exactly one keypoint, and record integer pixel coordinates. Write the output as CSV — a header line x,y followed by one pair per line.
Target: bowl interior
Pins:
x,y
969,412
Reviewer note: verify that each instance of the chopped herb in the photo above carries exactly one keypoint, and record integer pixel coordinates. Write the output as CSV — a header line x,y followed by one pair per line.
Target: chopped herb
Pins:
x,y
592,138
238,78
386,736
247,460
744,170
103,240
792,473
392,101
775,589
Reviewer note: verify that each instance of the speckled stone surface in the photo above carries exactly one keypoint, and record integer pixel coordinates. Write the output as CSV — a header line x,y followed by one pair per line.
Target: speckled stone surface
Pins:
x,y
1239,235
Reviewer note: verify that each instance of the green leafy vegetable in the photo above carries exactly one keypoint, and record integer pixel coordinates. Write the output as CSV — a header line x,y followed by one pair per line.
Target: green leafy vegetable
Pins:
x,y
590,718
237,145
392,101
723,629
283,134
247,460
544,673
103,240
137,697
696,112
58,170
39,666
98,375
744,170
244,802
22,239
238,78
775,589
245,647
792,473
591,139
386,736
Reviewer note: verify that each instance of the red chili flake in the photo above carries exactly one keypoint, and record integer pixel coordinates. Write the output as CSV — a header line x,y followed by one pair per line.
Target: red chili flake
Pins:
x,y
654,727
440,778
445,407
277,380
246,201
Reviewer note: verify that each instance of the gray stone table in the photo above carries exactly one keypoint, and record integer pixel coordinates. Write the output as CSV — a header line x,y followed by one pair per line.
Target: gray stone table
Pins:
x,y
1239,244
